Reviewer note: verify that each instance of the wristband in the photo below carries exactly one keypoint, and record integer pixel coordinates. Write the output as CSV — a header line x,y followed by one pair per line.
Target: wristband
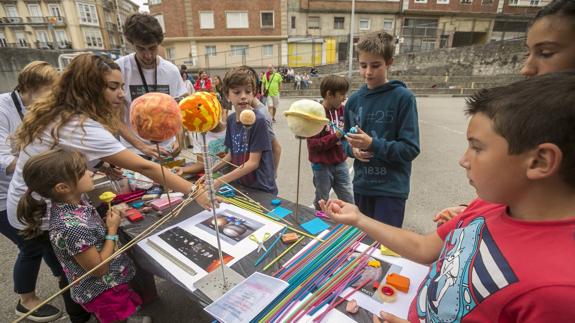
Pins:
x,y
111,237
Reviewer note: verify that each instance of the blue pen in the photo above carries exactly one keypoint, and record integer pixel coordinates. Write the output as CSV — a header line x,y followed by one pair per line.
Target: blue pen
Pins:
x,y
262,257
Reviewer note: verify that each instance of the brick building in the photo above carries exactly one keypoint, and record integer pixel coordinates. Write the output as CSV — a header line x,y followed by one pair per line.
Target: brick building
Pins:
x,y
216,35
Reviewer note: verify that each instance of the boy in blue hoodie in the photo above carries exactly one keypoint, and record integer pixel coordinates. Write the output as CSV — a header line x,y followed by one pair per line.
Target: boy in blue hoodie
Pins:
x,y
385,135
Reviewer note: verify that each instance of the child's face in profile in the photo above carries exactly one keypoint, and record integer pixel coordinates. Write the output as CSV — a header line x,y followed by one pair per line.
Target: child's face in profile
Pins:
x,y
86,183
335,100
373,69
241,97
550,46
495,174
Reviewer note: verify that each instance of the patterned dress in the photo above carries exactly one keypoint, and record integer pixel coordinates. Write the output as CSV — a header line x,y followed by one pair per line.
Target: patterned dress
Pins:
x,y
73,230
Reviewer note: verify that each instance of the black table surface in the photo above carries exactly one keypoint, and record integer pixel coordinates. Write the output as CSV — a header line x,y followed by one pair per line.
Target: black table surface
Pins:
x,y
245,266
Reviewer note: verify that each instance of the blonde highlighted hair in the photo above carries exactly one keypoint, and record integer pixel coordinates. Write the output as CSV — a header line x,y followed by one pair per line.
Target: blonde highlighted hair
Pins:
x,y
78,93
42,173
35,75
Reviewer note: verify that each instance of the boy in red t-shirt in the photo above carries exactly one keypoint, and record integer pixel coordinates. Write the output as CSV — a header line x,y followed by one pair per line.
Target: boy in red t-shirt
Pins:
x,y
330,171
509,256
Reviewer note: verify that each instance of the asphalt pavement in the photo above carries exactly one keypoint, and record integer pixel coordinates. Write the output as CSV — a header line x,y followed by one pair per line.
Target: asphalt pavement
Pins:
x,y
437,181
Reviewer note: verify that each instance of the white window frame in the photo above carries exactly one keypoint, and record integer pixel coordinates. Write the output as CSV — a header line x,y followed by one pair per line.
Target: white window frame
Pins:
x,y
420,1
442,1
62,41
513,2
262,19
154,2
267,50
242,23
342,24
211,52
318,22
3,40
21,39
160,19
534,3
206,19
85,9
466,2
388,21
34,10
96,40
235,50
11,11
54,10
364,20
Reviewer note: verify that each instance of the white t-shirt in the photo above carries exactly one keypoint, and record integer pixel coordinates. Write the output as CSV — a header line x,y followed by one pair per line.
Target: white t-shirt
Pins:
x,y
169,82
216,145
9,122
91,139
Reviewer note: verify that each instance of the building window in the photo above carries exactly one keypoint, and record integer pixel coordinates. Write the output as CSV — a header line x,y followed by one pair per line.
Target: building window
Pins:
x,y
211,51
313,22
534,3
267,50
387,24
237,19
338,22
93,39
62,38
513,2
88,14
420,1
239,50
21,39
207,20
153,2
487,2
443,1
160,19
11,11
267,19
292,22
365,24
466,1
34,10
3,42
170,53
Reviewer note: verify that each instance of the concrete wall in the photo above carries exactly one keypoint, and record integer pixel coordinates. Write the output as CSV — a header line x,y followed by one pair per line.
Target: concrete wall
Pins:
x,y
12,60
491,59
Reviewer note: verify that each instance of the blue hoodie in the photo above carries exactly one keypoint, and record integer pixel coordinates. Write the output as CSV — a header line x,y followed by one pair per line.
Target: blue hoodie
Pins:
x,y
389,115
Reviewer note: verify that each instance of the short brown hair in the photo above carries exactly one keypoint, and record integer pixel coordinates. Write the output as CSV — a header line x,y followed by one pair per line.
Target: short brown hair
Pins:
x,y
333,84
531,112
36,75
380,43
239,77
140,27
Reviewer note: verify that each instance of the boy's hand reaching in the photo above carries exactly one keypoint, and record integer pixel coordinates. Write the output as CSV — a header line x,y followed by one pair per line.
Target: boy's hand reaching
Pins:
x,y
359,140
340,211
388,318
362,155
448,214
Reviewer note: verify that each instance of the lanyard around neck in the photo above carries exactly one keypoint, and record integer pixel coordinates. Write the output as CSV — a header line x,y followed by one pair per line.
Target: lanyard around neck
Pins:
x,y
17,104
144,78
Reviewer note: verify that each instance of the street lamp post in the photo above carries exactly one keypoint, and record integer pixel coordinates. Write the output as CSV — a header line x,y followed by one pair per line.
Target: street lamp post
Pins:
x,y
351,28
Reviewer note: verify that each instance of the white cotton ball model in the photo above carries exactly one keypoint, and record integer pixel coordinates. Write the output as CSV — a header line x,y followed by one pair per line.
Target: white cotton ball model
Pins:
x,y
306,118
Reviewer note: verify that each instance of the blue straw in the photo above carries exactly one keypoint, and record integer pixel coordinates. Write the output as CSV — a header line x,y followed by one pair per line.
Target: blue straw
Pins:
x,y
262,257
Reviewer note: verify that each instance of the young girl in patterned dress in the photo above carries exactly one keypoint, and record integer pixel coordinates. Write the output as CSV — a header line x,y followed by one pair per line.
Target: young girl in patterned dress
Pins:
x,y
79,236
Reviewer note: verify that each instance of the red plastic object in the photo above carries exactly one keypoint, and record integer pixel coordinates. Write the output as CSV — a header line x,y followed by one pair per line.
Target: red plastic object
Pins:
x,y
128,197
134,215
375,285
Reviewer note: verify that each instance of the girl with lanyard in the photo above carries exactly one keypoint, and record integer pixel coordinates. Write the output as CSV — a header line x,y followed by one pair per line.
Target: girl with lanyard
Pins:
x,y
34,81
